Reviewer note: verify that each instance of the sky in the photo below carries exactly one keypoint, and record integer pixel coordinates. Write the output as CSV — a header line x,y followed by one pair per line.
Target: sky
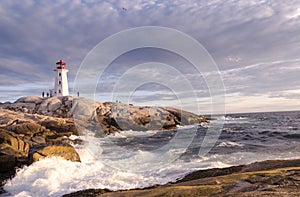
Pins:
x,y
255,44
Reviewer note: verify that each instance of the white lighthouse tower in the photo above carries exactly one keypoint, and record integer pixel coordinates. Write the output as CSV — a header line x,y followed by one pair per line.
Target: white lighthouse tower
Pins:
x,y
61,87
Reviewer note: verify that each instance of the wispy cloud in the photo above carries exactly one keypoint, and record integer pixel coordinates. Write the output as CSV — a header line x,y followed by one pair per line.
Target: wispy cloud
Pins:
x,y
255,43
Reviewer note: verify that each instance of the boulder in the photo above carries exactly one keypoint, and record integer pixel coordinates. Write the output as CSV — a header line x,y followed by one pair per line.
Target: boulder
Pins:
x,y
65,151
59,125
57,106
30,99
42,108
12,150
29,128
10,144
53,103
84,109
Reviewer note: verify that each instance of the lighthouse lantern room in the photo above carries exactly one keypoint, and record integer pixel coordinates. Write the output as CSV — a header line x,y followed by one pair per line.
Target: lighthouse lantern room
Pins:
x,y
61,80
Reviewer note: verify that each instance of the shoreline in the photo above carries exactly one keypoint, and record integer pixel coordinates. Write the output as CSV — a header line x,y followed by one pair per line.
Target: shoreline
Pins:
x,y
269,178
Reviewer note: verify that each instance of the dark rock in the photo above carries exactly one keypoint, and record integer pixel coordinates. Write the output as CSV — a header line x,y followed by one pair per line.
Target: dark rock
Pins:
x,y
39,140
27,128
211,173
10,144
7,163
271,164
60,126
13,152
88,193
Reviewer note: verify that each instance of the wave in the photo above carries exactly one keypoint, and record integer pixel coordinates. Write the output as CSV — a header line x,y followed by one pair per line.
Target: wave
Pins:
x,y
230,119
230,144
131,133
55,176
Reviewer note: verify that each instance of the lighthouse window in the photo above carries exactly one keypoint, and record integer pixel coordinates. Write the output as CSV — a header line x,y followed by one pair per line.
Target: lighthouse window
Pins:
x,y
59,91
59,74
59,82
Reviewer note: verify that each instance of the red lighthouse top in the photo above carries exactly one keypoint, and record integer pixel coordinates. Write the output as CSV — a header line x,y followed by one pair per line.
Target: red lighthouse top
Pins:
x,y
60,64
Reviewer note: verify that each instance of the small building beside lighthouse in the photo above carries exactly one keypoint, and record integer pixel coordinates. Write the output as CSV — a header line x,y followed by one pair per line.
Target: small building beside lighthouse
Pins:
x,y
61,87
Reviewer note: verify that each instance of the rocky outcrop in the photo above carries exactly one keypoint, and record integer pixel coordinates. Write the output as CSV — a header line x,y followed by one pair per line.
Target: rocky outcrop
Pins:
x,y
118,116
34,129
67,152
23,134
108,117
53,106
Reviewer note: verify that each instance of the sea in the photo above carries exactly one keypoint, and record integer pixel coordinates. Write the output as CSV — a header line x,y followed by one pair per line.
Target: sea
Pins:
x,y
139,159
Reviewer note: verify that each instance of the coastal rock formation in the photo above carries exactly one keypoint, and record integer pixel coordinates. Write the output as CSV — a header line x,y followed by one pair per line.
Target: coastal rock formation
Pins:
x,y
33,127
109,116
118,116
53,106
24,134
67,152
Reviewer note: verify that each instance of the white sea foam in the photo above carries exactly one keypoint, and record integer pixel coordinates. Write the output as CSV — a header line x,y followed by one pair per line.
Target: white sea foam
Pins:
x,y
229,119
131,133
187,126
230,144
73,137
55,176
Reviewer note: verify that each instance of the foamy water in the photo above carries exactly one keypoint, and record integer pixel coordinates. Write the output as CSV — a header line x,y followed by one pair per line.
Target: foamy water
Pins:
x,y
55,176
230,144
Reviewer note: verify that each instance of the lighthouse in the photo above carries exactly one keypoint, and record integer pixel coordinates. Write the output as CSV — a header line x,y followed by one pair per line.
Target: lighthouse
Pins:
x,y
61,87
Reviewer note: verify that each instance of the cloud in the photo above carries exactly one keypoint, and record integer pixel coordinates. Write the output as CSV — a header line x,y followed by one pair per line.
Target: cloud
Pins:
x,y
263,77
254,43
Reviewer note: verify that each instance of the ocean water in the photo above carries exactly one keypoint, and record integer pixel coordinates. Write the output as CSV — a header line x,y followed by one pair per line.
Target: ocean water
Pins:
x,y
134,159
